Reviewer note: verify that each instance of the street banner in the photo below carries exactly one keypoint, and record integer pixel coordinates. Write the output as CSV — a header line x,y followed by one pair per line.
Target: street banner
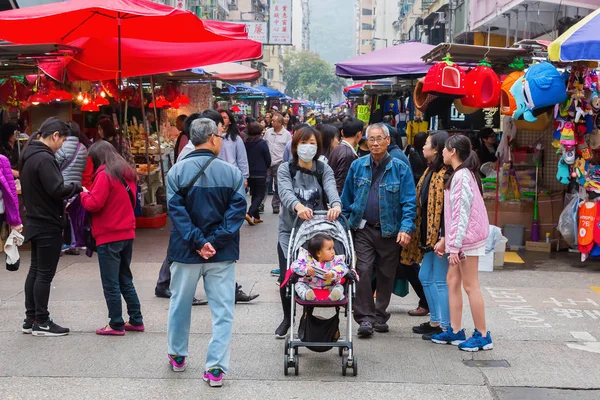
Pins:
x,y
257,31
280,22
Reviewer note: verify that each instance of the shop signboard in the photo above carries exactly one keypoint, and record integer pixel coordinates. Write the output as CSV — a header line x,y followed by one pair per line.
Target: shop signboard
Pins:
x,y
257,31
280,22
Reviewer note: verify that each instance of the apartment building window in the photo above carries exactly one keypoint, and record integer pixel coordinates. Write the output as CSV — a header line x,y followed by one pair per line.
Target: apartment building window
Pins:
x,y
366,42
367,11
367,27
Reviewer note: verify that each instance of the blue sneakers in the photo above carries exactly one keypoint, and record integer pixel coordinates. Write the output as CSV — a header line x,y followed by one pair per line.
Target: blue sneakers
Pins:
x,y
449,337
477,342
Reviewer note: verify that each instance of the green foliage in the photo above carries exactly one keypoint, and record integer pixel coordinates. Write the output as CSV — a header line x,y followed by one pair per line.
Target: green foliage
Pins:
x,y
308,76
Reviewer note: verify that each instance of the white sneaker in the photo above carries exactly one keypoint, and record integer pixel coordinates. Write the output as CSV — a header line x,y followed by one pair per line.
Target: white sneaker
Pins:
x,y
310,295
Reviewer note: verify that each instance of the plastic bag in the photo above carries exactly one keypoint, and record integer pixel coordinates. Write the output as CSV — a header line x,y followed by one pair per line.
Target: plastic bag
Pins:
x,y
567,224
494,238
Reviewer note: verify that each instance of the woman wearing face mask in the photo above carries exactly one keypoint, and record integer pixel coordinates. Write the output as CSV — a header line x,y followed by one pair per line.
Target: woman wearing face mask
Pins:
x,y
301,194
44,192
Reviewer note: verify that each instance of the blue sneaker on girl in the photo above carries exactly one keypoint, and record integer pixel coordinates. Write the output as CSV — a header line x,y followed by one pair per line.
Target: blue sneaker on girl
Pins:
x,y
477,342
449,337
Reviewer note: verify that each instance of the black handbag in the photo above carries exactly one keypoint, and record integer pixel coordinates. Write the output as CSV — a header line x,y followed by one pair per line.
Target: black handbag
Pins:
x,y
316,329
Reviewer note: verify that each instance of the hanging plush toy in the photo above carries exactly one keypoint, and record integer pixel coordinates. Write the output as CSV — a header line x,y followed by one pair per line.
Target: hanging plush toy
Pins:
x,y
543,87
507,101
483,87
445,79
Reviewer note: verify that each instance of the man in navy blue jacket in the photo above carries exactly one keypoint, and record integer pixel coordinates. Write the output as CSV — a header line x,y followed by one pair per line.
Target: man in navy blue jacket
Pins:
x,y
207,206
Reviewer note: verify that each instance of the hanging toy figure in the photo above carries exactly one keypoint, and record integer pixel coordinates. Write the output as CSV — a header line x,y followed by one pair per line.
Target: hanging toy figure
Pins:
x,y
587,218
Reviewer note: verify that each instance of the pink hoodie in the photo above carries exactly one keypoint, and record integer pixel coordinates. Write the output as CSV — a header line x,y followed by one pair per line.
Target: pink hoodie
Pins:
x,y
465,216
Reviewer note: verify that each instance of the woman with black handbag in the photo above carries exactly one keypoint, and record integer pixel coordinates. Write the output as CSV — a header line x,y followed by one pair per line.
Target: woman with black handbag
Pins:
x,y
44,192
111,202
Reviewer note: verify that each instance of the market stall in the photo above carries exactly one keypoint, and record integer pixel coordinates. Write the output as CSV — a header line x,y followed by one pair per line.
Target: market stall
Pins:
x,y
99,58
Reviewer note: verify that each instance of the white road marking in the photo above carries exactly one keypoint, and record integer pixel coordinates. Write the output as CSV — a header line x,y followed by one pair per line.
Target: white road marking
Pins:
x,y
583,336
592,347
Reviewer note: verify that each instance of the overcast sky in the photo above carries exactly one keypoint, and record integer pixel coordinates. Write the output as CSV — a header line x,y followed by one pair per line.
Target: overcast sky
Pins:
x,y
332,29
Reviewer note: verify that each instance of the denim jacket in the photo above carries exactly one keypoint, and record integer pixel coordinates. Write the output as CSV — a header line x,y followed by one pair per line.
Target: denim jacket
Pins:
x,y
397,196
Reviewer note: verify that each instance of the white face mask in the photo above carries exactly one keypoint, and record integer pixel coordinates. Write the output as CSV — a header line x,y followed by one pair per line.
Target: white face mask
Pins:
x,y
306,152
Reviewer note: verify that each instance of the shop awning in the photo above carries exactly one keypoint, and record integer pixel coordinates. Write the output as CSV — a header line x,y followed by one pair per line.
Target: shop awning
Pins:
x,y
66,21
230,72
403,60
270,92
580,43
98,57
465,53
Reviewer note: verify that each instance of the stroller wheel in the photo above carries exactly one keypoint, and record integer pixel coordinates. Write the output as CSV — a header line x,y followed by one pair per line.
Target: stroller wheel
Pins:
x,y
355,366
296,363
286,363
344,365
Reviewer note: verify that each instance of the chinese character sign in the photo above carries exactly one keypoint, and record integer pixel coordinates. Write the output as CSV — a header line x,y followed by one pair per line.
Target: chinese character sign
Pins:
x,y
257,31
280,22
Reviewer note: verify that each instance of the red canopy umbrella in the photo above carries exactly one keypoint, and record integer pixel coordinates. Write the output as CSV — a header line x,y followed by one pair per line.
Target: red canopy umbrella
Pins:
x,y
97,59
141,19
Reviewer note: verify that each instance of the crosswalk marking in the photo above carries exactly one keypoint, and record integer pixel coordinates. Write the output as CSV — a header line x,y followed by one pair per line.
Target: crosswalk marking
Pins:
x,y
583,336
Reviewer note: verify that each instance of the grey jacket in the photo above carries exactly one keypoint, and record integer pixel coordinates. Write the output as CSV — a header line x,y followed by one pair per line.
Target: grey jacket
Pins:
x,y
305,189
72,161
234,152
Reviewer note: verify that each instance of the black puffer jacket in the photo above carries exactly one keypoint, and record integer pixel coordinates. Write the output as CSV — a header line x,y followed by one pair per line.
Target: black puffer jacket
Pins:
x,y
44,191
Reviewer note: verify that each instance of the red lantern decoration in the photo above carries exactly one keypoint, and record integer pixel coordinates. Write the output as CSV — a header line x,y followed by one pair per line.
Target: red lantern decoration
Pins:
x,y
445,79
60,95
483,87
183,99
101,101
38,98
91,106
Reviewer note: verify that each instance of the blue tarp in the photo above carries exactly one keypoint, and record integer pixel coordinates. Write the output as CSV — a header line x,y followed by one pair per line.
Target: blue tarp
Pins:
x,y
270,92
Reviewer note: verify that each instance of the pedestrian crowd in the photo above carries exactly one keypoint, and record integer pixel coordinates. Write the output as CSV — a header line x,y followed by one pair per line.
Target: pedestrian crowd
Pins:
x,y
416,214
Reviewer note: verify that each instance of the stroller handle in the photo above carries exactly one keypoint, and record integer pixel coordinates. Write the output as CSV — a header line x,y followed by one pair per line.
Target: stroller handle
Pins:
x,y
323,212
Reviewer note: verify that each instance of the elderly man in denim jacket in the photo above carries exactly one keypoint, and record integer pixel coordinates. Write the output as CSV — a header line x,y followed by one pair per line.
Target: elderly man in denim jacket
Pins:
x,y
379,201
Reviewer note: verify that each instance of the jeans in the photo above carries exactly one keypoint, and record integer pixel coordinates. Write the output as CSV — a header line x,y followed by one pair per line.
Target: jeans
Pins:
x,y
45,254
258,188
117,281
433,277
412,275
219,285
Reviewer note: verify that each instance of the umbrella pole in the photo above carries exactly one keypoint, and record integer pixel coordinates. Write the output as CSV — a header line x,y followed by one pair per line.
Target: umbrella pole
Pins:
x,y
120,77
147,129
162,169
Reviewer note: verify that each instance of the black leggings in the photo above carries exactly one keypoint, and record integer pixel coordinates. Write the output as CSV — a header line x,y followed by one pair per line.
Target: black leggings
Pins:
x,y
258,188
45,254
285,301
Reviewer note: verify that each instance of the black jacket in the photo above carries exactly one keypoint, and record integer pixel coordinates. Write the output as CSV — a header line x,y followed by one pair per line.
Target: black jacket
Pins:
x,y
340,159
44,190
417,163
259,156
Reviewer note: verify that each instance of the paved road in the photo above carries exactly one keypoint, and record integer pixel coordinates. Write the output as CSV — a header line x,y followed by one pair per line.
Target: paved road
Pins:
x,y
544,318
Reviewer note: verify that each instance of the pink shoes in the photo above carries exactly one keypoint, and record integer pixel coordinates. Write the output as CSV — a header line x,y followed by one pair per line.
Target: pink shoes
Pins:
x,y
134,328
108,331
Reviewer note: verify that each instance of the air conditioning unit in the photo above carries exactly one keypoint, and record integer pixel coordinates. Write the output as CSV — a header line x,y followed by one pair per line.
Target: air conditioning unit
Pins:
x,y
441,18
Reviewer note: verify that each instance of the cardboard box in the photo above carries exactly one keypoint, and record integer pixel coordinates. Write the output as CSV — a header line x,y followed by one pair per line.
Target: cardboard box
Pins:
x,y
540,247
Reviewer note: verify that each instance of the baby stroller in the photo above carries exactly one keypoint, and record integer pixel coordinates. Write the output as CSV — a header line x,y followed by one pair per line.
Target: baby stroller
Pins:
x,y
315,333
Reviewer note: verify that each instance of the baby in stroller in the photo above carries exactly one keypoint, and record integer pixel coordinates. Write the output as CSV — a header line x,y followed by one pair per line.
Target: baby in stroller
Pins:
x,y
319,268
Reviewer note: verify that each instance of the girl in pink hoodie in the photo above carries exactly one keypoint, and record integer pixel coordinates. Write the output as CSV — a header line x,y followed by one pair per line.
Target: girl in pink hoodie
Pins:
x,y
466,230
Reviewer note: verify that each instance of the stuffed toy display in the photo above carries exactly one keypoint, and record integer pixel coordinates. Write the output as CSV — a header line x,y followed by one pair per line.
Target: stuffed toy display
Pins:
x,y
445,79
483,87
507,101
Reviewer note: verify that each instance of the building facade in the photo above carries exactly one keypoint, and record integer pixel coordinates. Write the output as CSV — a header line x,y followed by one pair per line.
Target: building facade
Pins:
x,y
365,21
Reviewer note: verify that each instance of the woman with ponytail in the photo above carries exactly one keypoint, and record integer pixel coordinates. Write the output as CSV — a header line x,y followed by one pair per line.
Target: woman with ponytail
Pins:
x,y
44,192
466,232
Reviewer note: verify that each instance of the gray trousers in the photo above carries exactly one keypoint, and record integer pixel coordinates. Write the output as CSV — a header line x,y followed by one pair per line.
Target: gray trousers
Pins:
x,y
272,173
369,244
